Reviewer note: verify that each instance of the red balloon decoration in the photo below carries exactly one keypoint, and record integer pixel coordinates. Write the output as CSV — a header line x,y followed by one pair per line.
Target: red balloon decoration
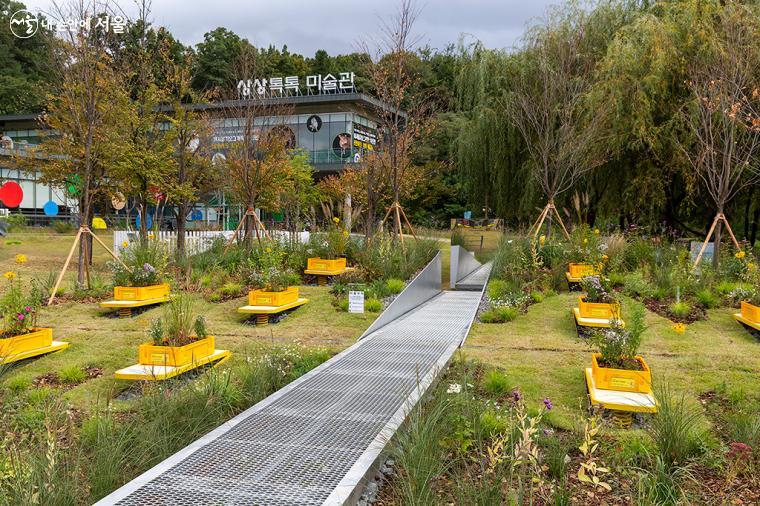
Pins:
x,y
11,194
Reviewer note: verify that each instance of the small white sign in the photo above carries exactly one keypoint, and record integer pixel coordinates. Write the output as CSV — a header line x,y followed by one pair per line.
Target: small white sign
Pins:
x,y
355,302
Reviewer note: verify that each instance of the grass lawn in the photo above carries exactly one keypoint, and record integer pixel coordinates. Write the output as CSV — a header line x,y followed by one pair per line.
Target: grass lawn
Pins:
x,y
541,354
99,339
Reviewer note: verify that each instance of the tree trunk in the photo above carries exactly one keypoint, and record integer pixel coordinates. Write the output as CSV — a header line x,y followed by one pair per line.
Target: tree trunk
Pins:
x,y
716,242
181,214
84,221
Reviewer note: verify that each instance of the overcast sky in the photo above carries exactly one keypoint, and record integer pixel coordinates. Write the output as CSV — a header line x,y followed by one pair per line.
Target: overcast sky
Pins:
x,y
338,25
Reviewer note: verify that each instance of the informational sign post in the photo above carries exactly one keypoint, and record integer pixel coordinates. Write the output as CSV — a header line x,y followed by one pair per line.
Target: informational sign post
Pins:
x,y
356,301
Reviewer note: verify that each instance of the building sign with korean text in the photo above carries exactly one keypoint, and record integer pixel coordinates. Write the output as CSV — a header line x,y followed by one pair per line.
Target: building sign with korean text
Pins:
x,y
364,137
294,85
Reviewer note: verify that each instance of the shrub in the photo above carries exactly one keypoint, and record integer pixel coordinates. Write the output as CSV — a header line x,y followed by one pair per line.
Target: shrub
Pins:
x,y
496,383
618,345
635,285
18,384
15,221
372,305
394,286
493,423
62,226
499,314
178,326
598,289
497,288
72,375
680,309
707,299
145,263
342,305
230,289
537,296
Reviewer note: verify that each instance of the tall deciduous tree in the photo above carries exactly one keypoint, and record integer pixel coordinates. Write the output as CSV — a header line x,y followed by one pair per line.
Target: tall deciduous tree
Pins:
x,y
724,116
86,113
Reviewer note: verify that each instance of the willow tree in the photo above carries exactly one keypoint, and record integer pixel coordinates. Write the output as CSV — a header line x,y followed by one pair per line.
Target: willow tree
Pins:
x,y
548,105
724,116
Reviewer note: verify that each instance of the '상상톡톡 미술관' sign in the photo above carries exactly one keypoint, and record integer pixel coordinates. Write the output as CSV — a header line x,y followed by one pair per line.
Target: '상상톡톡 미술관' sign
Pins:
x,y
292,85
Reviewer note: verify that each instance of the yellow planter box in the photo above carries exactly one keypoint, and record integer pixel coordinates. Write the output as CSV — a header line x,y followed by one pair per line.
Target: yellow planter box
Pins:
x,y
621,380
322,264
140,292
38,338
176,356
264,298
582,270
750,312
597,309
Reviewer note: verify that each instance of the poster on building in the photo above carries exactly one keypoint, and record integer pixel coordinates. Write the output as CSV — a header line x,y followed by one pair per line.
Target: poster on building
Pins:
x,y
365,138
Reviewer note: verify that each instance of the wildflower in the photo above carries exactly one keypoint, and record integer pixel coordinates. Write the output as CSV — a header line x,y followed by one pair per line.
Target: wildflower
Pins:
x,y
740,254
585,241
605,258
548,432
596,231
150,235
548,404
454,388
751,267
20,317
28,309
345,233
125,244
148,268
9,275
516,395
336,219
680,328
268,249
542,240
20,259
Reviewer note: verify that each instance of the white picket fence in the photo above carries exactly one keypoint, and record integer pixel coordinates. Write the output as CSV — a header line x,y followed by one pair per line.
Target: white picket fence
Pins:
x,y
196,241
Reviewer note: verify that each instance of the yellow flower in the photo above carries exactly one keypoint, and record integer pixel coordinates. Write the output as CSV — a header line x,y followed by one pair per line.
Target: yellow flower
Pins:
x,y
268,250
150,235
9,275
345,233
596,231
680,328
585,241
20,259
740,254
751,266
336,219
542,240
125,244
605,258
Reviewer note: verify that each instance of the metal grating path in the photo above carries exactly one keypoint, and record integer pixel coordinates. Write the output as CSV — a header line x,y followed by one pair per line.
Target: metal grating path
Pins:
x,y
314,441
476,279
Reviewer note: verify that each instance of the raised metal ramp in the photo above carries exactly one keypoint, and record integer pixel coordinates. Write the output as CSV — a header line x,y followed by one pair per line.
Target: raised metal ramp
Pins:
x,y
476,279
314,441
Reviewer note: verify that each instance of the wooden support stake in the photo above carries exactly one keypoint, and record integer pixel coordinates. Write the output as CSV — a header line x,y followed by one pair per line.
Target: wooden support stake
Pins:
x,y
707,240
411,229
65,266
561,223
540,222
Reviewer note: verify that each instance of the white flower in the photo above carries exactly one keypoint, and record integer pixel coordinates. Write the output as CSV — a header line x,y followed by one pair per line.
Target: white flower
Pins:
x,y
454,388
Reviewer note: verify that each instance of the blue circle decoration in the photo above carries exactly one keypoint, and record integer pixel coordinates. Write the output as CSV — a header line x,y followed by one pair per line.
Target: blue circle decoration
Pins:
x,y
196,214
150,221
50,208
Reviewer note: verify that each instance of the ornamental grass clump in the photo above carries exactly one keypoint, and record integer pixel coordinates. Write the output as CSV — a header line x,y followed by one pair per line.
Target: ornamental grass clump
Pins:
x,y
144,264
179,324
619,345
19,308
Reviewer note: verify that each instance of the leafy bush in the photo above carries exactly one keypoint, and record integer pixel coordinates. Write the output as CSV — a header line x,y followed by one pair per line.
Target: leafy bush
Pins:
x,y
19,308
707,299
15,222
635,285
618,345
680,309
18,384
493,423
143,263
231,289
598,289
537,296
384,258
72,374
62,226
394,286
373,305
499,314
496,383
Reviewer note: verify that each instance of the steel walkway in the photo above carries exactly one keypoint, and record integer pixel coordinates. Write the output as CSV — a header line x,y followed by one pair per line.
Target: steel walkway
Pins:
x,y
314,441
476,279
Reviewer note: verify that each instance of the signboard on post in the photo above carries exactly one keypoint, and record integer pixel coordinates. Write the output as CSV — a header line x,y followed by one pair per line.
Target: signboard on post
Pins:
x,y
356,301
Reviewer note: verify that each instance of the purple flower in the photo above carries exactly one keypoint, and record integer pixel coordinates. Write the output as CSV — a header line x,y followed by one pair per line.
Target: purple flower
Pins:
x,y
28,309
149,268
20,317
516,396
548,404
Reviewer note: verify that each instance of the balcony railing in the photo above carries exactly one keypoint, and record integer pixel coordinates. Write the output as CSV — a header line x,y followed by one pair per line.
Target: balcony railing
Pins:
x,y
325,156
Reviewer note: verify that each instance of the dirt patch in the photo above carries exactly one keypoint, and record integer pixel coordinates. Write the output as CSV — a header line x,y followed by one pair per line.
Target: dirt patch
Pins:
x,y
661,307
53,380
